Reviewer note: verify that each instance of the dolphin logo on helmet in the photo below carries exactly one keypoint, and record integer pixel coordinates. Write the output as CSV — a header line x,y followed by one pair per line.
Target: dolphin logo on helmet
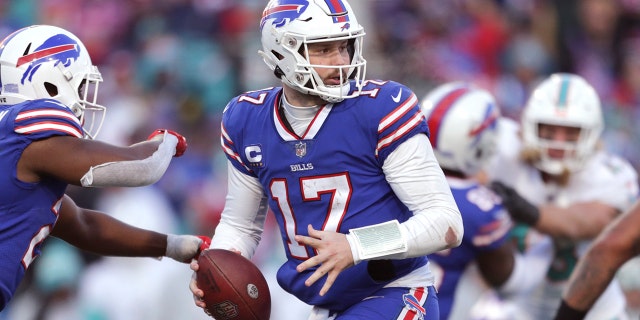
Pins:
x,y
59,48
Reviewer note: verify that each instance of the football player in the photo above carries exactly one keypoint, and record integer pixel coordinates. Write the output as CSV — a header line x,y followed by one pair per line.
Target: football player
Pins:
x,y
48,119
346,167
463,121
563,189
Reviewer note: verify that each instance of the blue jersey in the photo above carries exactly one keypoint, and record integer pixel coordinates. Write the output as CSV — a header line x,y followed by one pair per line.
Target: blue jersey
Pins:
x,y
486,227
330,177
28,211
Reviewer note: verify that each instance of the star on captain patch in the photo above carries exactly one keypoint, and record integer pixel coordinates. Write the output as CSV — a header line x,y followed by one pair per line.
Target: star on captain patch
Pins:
x,y
301,149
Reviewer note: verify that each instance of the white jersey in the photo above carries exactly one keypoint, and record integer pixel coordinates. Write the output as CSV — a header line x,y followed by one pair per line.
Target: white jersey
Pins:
x,y
605,178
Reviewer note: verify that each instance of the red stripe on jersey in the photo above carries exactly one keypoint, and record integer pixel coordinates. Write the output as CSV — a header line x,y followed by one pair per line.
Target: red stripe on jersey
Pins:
x,y
400,132
398,113
49,126
46,114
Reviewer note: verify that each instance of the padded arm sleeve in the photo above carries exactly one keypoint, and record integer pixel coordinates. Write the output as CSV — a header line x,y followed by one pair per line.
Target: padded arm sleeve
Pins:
x,y
133,173
242,220
416,178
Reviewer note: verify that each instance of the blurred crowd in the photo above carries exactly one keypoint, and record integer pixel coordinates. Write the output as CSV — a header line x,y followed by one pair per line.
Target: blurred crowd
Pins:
x,y
176,63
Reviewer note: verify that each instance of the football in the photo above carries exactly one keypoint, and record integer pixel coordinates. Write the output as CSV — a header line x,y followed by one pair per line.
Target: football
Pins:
x,y
234,288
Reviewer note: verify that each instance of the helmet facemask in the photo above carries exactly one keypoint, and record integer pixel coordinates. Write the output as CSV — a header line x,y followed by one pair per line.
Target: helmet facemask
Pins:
x,y
286,41
556,156
92,114
562,100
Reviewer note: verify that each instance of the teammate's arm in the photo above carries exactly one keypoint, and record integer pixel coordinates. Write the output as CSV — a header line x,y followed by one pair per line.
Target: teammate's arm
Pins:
x,y
75,158
102,234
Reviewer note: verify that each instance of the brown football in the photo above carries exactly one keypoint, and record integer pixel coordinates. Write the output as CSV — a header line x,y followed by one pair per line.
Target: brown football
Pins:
x,y
234,288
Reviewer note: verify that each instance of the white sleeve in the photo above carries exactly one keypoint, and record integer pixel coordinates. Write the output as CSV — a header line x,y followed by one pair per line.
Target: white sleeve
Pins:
x,y
242,220
417,179
134,173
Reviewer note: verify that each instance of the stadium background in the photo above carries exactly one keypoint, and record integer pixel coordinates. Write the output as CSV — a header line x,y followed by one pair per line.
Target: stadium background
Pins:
x,y
175,64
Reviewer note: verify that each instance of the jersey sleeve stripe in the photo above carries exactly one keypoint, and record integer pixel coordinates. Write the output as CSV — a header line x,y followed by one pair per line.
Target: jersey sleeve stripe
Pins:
x,y
46,114
398,113
49,126
226,143
225,136
400,132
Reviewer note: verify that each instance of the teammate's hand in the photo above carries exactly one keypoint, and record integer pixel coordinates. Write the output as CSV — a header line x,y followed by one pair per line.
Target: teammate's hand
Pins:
x,y
181,147
334,255
518,207
185,248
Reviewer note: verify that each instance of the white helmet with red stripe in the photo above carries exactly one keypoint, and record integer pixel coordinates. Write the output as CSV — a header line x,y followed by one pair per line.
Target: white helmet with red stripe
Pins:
x,y
462,122
289,26
47,62
566,100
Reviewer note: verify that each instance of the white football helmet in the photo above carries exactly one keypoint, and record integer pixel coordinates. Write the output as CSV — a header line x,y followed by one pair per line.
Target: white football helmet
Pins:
x,y
289,26
41,61
564,100
462,122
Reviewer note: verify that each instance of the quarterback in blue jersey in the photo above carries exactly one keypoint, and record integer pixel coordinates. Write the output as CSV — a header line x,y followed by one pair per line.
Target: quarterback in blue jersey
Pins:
x,y
48,117
463,119
346,167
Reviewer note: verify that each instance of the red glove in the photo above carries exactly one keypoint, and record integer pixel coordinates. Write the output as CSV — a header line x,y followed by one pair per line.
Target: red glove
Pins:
x,y
206,242
181,147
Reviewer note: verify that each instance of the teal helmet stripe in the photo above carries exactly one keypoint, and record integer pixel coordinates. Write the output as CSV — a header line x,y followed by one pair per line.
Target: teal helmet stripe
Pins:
x,y
564,92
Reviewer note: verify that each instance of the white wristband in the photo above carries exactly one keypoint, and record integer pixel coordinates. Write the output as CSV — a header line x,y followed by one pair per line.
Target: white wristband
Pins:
x,y
377,241
182,247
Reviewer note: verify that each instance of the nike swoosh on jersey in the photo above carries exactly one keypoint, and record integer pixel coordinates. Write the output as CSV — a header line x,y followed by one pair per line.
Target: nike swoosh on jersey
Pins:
x,y
396,99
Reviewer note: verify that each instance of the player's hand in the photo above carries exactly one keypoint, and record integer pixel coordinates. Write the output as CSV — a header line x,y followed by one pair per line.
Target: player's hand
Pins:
x,y
518,207
181,147
198,294
334,255
185,248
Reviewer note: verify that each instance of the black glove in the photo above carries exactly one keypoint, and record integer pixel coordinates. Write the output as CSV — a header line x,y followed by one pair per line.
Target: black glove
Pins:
x,y
518,207
566,312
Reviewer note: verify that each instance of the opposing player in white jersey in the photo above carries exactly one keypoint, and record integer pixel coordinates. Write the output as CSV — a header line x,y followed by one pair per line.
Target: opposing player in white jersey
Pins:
x,y
346,167
562,187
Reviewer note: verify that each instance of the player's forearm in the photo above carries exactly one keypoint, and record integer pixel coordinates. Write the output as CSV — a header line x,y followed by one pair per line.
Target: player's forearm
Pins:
x,y
589,280
433,232
417,180
617,244
104,235
577,222
138,172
